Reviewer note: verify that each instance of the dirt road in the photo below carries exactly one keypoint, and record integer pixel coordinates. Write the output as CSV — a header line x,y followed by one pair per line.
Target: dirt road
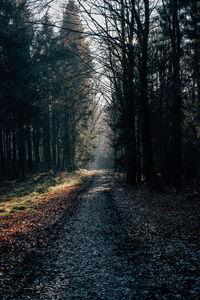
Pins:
x,y
96,254
87,262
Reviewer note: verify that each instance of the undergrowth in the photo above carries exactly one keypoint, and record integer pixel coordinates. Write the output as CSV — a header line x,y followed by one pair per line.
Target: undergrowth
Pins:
x,y
18,196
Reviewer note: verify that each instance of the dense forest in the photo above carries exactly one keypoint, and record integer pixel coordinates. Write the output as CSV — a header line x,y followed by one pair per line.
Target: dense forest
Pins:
x,y
99,149
152,50
46,106
149,57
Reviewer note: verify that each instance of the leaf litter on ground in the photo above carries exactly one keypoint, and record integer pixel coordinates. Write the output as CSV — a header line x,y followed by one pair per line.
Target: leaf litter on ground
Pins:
x,y
23,230
163,231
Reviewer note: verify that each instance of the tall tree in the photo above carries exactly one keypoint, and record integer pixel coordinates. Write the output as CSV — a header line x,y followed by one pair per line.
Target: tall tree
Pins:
x,y
15,53
76,95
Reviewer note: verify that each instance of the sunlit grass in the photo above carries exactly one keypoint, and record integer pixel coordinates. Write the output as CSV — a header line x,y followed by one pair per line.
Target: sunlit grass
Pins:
x,y
39,188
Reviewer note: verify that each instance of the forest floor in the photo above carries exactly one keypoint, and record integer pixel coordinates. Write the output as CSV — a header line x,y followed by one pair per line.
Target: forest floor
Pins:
x,y
104,240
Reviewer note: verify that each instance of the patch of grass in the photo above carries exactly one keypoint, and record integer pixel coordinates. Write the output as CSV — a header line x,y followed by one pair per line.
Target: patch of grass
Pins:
x,y
35,183
29,194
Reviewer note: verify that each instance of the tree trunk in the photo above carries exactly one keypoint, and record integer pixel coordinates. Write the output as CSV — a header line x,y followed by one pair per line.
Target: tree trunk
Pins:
x,y
14,154
54,138
2,158
177,132
58,141
46,142
67,154
149,168
128,94
36,144
29,147
8,147
21,149
138,153
130,141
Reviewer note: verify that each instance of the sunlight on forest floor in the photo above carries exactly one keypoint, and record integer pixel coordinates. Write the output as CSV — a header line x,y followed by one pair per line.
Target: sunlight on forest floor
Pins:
x,y
20,215
27,195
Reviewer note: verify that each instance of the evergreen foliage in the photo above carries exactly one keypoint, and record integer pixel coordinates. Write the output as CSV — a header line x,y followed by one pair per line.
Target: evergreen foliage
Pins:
x,y
46,103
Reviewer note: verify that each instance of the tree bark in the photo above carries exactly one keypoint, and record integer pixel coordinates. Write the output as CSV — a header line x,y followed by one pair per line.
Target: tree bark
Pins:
x,y
67,152
46,141
36,144
58,140
14,154
2,158
177,132
54,138
29,147
149,168
128,94
21,149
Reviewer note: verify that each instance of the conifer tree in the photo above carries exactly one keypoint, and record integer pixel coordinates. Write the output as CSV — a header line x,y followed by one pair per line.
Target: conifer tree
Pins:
x,y
77,98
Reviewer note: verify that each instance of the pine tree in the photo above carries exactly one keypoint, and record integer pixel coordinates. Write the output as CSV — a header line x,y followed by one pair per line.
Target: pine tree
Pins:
x,y
16,37
77,99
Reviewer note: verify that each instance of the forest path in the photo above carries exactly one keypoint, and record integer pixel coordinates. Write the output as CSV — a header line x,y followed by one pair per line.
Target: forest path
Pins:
x,y
88,259
115,243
